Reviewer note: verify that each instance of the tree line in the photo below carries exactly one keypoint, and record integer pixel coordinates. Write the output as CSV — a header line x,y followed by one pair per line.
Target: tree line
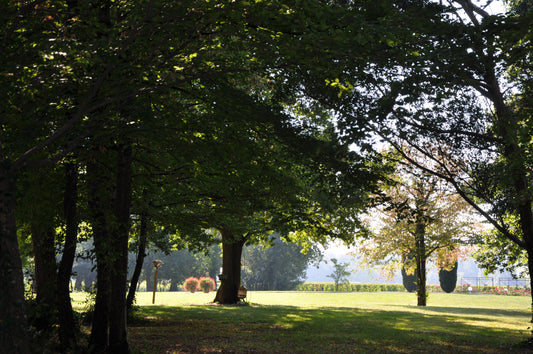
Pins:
x,y
130,123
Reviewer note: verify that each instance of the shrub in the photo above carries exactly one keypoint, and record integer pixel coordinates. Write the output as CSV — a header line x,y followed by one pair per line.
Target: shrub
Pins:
x,y
448,279
207,284
191,284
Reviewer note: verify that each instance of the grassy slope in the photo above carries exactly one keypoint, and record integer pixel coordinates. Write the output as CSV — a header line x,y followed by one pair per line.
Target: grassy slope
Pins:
x,y
330,322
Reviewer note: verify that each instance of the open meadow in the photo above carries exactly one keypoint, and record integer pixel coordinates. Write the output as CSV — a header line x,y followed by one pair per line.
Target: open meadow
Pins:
x,y
316,322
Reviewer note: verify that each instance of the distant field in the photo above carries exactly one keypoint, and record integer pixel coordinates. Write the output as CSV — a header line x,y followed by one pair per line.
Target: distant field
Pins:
x,y
314,322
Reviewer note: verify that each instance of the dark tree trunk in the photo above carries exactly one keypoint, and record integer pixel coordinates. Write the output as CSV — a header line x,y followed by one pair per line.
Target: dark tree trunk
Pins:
x,y
110,207
149,276
13,323
67,324
530,268
139,261
99,192
420,264
173,285
118,339
231,268
43,242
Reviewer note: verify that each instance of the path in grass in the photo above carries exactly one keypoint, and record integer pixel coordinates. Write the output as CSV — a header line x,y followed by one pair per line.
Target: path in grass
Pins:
x,y
298,322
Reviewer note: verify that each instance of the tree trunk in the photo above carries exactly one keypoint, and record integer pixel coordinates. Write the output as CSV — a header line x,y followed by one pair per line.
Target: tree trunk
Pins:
x,y
139,262
530,268
43,242
67,324
99,204
118,342
231,269
13,323
110,207
149,276
420,264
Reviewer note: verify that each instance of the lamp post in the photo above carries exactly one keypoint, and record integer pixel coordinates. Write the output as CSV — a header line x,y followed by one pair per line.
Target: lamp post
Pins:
x,y
157,264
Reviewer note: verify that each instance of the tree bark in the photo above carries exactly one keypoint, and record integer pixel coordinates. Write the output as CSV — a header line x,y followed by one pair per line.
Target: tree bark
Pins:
x,y
43,242
67,323
98,201
420,264
118,339
230,282
110,207
141,254
13,321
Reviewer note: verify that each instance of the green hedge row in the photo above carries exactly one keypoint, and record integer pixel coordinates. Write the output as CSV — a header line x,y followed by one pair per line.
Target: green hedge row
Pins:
x,y
350,287
495,290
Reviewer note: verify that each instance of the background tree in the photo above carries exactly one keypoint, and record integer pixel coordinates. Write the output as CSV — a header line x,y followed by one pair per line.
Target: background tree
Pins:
x,y
276,266
420,218
340,273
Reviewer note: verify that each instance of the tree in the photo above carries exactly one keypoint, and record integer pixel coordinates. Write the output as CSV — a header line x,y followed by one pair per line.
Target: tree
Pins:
x,y
340,273
435,83
420,217
481,152
86,70
278,266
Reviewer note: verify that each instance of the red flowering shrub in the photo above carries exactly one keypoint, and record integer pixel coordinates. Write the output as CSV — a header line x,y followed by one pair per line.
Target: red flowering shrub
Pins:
x,y
191,284
207,284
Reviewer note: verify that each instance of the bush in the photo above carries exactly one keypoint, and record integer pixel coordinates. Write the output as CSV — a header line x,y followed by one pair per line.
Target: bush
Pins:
x,y
191,284
448,279
493,290
207,284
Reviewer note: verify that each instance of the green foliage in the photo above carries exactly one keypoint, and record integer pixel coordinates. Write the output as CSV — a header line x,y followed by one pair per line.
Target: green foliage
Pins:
x,y
496,253
279,266
340,273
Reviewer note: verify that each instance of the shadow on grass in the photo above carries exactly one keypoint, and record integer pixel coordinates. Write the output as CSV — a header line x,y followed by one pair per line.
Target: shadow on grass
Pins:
x,y
464,311
277,329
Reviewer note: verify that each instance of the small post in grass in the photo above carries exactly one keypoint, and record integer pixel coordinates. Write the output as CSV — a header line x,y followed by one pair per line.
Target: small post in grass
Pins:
x,y
157,264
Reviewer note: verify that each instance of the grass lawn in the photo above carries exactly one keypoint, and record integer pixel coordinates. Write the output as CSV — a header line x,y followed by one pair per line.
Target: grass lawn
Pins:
x,y
309,322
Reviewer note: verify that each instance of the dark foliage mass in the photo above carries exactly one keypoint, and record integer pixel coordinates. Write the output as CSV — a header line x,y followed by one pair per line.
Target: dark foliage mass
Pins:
x,y
448,278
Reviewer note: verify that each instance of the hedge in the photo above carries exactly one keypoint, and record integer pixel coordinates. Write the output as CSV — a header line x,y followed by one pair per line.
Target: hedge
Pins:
x,y
495,290
349,287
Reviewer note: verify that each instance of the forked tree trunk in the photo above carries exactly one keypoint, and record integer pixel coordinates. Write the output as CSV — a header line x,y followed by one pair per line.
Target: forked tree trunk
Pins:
x,y
67,324
110,207
230,281
13,321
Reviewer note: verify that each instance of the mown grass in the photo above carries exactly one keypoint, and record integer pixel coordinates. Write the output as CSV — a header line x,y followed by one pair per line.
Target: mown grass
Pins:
x,y
298,322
